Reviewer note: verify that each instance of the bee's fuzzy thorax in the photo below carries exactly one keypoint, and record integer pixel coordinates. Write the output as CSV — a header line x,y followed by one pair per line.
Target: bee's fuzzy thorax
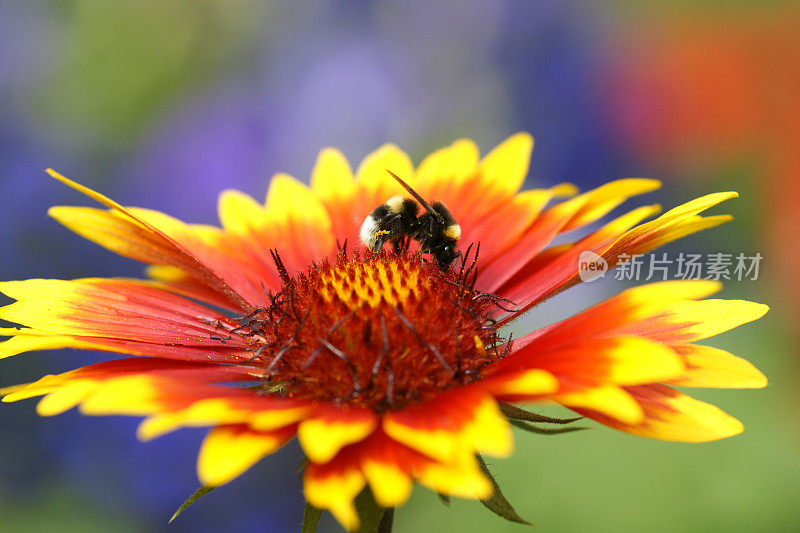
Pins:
x,y
395,204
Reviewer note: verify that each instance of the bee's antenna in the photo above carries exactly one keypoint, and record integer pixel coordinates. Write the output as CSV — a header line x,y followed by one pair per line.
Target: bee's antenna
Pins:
x,y
415,194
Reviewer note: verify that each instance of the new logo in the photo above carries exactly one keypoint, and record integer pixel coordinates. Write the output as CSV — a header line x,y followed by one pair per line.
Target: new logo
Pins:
x,y
591,266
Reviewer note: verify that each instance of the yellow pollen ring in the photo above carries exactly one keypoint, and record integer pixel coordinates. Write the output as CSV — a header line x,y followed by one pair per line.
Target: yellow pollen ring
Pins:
x,y
370,283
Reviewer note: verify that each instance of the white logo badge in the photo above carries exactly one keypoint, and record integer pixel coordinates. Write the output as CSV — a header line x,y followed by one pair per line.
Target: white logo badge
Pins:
x,y
591,266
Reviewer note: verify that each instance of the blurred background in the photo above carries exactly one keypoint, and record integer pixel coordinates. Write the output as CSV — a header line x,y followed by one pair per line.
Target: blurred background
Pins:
x,y
164,104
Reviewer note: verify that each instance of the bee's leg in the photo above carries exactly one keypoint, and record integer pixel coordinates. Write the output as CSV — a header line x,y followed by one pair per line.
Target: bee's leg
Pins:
x,y
389,232
402,243
394,233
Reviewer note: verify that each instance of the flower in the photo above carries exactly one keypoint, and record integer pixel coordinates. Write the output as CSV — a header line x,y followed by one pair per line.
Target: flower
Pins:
x,y
388,368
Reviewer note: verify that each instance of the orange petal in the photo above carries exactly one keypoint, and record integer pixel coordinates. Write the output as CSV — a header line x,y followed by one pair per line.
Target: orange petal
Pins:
x,y
175,280
675,223
189,374
155,238
503,267
689,321
267,414
448,170
670,415
239,213
329,430
573,213
452,176
537,281
616,360
507,164
296,223
228,451
613,402
452,425
173,394
712,367
461,477
333,183
605,198
502,228
334,487
131,395
388,467
29,340
374,185
627,308
520,384
391,485
115,315
671,233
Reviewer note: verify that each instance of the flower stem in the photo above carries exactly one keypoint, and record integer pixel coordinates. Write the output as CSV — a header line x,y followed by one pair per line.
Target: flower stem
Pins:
x,y
387,521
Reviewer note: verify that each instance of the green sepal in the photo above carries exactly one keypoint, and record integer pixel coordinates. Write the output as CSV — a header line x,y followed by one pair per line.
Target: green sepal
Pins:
x,y
545,431
199,493
512,412
311,516
497,503
370,514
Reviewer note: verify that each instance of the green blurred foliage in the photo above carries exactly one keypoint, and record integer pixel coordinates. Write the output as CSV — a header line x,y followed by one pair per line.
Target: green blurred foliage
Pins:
x,y
59,510
602,480
119,64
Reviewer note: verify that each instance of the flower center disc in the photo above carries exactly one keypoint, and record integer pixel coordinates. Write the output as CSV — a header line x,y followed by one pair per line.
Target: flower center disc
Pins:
x,y
379,331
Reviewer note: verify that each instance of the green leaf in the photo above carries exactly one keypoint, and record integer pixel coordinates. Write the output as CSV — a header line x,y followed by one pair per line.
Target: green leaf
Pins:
x,y
513,412
545,431
199,493
311,516
497,503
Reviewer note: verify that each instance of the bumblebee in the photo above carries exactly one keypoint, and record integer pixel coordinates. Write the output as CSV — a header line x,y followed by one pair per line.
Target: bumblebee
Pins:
x,y
396,222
